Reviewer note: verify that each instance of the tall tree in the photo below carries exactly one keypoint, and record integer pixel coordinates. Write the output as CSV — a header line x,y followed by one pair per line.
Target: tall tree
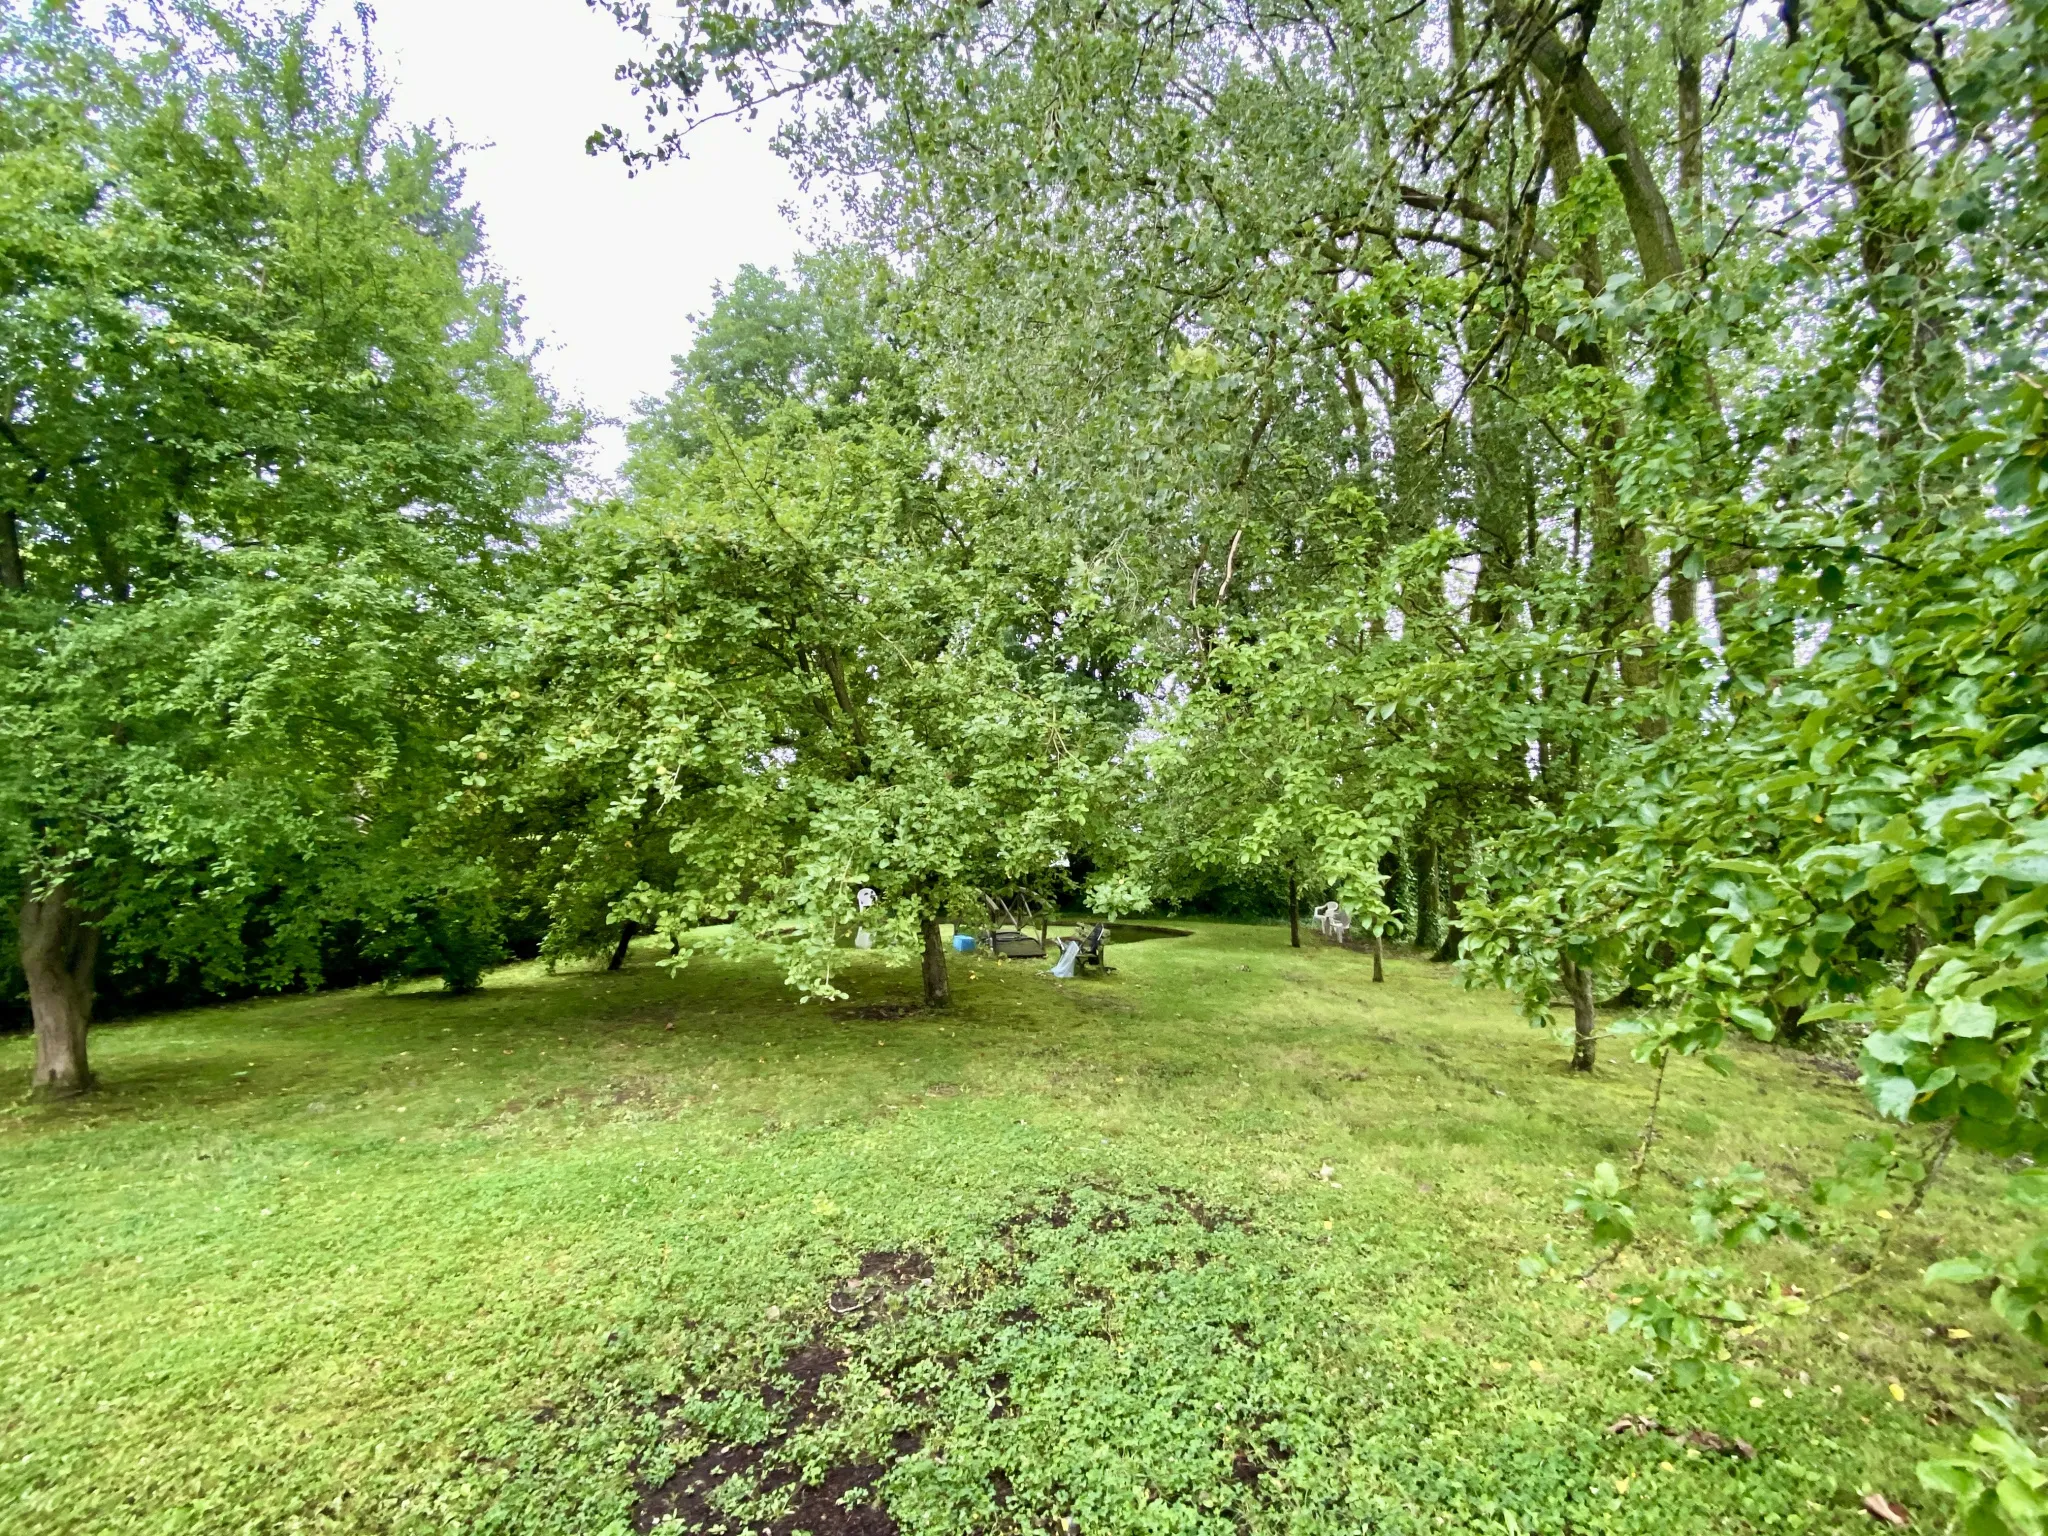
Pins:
x,y
812,663
267,428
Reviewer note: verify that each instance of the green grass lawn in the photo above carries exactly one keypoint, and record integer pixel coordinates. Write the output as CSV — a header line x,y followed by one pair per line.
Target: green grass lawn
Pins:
x,y
1223,1242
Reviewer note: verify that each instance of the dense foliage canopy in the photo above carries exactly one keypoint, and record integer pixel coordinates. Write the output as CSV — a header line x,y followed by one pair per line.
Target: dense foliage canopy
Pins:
x,y
808,655
268,434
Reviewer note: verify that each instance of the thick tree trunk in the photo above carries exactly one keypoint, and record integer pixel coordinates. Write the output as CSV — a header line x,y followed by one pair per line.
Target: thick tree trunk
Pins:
x,y
1454,935
1622,580
1578,985
1692,163
12,577
1415,469
938,987
1649,215
1500,493
58,947
1680,590
626,931
1656,237
1397,887
1293,910
1429,916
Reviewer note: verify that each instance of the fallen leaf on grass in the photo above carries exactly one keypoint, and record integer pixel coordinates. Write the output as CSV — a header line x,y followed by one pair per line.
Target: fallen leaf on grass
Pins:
x,y
1881,1508
1707,1440
1704,1439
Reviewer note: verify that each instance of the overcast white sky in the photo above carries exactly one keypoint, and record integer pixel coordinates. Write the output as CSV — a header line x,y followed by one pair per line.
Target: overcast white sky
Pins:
x,y
610,268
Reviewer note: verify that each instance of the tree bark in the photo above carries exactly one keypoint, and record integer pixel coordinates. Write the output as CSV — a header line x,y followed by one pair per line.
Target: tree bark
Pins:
x,y
1293,910
58,948
938,987
1649,215
1578,985
1620,567
1692,163
1454,935
1379,968
626,931
1417,500
12,577
1429,914
1902,266
1680,591
1654,232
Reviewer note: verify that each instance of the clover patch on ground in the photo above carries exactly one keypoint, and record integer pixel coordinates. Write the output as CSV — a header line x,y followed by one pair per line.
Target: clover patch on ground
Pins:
x,y
945,1377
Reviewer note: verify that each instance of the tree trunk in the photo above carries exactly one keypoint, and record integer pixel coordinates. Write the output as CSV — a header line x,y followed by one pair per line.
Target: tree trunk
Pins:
x,y
1692,164
1293,910
58,947
1499,440
1680,590
1379,969
1429,915
1622,581
1454,936
938,987
1642,199
1578,985
626,931
12,577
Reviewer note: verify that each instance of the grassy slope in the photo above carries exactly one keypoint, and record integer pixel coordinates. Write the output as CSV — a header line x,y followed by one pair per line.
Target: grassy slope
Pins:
x,y
379,1262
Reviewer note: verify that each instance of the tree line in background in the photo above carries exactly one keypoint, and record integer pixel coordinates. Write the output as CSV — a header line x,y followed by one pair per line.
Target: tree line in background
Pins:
x,y
1567,481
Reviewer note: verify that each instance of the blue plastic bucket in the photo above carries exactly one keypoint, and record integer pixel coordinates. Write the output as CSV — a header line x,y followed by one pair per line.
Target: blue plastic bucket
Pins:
x,y
964,942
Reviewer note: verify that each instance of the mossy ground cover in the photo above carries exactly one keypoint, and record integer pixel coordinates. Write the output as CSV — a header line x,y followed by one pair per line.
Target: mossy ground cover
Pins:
x,y
1224,1241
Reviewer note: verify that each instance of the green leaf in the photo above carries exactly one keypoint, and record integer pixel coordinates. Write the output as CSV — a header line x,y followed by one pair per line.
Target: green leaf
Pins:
x,y
1969,1020
2024,1507
1895,1096
2014,915
2029,1188
1953,1479
1957,1272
